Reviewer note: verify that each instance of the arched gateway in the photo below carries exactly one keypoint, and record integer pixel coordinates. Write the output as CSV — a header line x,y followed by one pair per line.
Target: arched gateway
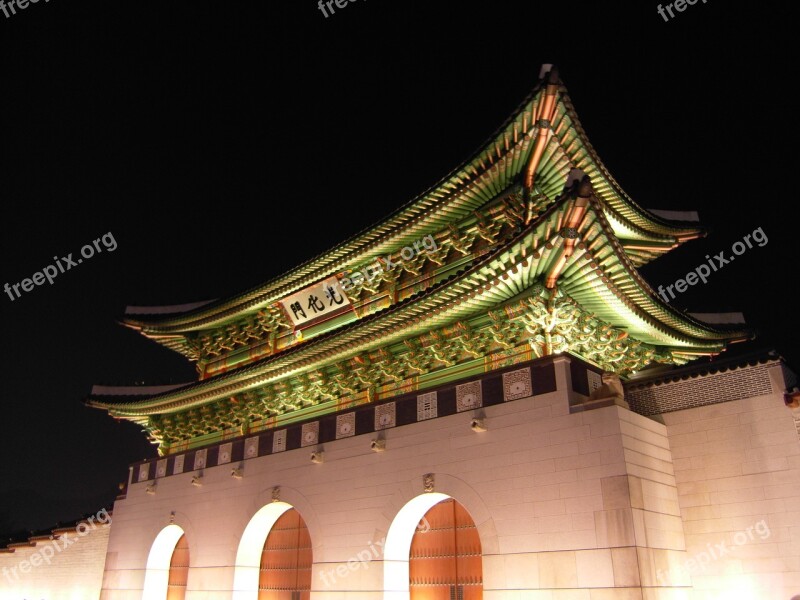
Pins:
x,y
167,570
274,557
433,552
445,559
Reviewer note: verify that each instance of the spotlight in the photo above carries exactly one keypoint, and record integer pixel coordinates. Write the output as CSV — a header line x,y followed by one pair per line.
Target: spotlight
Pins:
x,y
197,480
318,457
478,425
378,445
237,473
151,488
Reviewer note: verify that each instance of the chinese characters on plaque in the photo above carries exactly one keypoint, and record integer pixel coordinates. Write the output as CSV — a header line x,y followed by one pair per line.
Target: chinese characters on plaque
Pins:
x,y
323,299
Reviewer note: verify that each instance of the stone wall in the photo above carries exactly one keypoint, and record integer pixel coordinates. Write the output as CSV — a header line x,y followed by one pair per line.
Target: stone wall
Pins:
x,y
69,567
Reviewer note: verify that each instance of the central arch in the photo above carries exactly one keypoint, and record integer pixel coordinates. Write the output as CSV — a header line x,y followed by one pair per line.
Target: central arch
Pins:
x,y
254,542
421,517
397,548
446,559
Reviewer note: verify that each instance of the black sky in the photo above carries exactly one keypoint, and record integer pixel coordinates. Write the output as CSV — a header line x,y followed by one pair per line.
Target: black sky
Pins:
x,y
223,143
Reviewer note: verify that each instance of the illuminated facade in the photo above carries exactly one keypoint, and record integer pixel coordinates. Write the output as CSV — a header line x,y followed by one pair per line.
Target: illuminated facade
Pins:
x,y
433,409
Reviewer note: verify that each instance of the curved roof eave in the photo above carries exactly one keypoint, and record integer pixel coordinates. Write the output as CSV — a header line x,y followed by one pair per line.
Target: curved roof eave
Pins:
x,y
393,325
406,218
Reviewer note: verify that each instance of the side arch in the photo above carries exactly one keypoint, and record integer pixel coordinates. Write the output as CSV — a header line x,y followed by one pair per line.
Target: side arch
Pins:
x,y
156,578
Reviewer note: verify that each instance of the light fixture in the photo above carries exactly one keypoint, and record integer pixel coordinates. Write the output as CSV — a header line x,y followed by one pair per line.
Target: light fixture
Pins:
x,y
151,488
237,473
378,445
478,425
197,480
318,457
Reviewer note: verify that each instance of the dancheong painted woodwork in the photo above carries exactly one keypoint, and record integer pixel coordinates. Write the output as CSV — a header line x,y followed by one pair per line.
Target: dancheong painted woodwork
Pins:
x,y
528,249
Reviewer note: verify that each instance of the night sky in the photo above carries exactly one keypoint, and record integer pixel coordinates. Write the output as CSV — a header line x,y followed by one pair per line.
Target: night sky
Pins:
x,y
223,143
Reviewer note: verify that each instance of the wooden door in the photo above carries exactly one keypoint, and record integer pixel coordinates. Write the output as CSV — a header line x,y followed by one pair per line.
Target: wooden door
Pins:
x,y
446,561
178,570
286,560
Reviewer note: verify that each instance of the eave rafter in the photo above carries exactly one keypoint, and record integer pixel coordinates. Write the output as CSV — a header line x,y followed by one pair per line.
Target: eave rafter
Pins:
x,y
606,280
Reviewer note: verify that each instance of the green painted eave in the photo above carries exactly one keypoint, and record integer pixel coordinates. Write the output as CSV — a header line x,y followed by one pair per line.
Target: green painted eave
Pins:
x,y
599,277
474,184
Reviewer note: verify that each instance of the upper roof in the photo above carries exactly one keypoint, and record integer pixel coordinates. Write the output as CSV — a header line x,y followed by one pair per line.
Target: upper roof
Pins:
x,y
498,164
